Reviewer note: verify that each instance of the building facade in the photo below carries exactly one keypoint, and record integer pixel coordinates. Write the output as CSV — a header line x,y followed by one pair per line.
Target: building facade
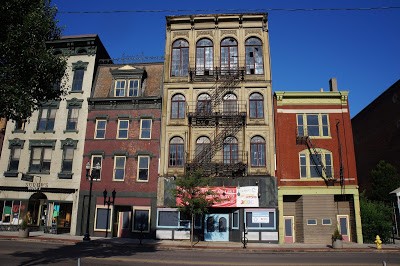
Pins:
x,y
41,159
218,119
123,137
316,171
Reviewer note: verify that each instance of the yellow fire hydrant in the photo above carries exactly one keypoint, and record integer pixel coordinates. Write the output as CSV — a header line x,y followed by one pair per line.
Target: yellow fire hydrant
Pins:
x,y
378,242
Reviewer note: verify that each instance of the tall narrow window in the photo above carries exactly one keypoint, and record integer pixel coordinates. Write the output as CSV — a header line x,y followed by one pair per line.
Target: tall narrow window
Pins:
x,y
133,88
203,149
176,152
145,128
40,160
119,88
96,174
77,81
178,106
141,220
230,103
14,159
231,150
254,56
47,118
256,103
143,168
72,120
180,58
203,104
100,132
229,56
257,149
119,167
68,156
123,126
204,57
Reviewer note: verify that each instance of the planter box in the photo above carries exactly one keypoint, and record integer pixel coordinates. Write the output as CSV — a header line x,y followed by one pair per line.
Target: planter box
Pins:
x,y
23,233
337,244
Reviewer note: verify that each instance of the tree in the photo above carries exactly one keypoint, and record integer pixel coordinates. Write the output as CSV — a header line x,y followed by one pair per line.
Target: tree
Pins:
x,y
384,179
193,196
28,70
376,219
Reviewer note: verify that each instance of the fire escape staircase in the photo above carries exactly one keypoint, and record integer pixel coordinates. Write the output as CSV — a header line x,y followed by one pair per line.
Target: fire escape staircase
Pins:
x,y
306,140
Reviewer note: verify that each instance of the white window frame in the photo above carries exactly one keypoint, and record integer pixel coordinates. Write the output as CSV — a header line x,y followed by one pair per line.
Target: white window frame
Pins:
x,y
148,168
119,130
323,153
133,88
320,125
141,128
93,165
97,128
123,89
141,208
111,211
115,168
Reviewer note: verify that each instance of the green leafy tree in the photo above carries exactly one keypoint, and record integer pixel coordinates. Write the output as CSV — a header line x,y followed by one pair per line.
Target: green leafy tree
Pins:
x,y
384,179
28,70
195,199
376,219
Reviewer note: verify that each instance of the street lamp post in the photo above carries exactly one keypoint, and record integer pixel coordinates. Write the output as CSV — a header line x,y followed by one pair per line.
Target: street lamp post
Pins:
x,y
108,202
90,176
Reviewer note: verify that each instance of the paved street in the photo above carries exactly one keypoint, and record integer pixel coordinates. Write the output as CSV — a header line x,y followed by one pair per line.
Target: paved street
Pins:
x,y
14,252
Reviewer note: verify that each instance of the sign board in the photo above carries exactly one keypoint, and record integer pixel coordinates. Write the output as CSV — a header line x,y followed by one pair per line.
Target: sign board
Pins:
x,y
260,217
247,196
28,178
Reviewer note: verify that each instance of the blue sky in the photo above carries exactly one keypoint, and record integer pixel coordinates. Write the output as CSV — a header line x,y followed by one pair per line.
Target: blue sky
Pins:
x,y
360,48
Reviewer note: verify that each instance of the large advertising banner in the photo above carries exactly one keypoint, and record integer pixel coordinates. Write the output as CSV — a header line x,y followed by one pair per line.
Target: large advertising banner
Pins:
x,y
247,196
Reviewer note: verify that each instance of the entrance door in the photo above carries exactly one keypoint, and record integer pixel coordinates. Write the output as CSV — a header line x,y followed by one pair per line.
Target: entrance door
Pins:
x,y
289,229
216,227
344,229
124,221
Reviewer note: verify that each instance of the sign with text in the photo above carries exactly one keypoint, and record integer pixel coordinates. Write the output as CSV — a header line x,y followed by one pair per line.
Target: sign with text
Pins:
x,y
247,196
260,217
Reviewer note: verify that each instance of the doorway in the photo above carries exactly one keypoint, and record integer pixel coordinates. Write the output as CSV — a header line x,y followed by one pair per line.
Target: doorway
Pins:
x,y
216,227
344,229
289,229
37,210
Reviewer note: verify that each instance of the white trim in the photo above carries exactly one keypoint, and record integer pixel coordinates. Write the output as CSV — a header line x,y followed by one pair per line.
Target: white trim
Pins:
x,y
96,128
312,111
110,217
115,161
138,168
141,127
119,128
141,208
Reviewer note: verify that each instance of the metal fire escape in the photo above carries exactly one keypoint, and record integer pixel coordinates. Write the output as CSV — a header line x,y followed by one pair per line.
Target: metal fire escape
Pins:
x,y
319,165
227,120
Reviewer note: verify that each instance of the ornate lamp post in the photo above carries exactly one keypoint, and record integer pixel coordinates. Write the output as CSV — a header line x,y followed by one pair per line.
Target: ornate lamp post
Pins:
x,y
108,202
90,178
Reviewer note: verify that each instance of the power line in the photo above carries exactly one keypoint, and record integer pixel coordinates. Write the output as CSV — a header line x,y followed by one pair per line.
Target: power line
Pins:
x,y
233,10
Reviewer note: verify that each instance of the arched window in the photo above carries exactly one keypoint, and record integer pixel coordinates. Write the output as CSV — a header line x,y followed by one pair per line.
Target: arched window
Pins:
x,y
203,148
180,58
230,103
256,105
222,224
203,104
176,152
254,56
257,150
204,57
178,106
231,150
310,164
229,55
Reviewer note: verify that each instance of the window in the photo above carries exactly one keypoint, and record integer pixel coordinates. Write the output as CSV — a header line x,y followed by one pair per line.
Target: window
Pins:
x,y
231,153
15,156
229,55
96,174
68,156
172,218
178,106
254,56
230,103
40,159
310,164
119,88
20,125
100,132
260,218
204,57
311,221
257,149
180,58
72,120
141,219
326,221
46,119
77,81
145,128
143,168
119,168
315,125
256,104
203,149
101,221
235,220
133,88
203,104
176,151
123,126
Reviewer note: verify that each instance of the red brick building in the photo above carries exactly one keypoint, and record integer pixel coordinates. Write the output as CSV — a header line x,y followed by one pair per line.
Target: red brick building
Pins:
x,y
123,138
316,171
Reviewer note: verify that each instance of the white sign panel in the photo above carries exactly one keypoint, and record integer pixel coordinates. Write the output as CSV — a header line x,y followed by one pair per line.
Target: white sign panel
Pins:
x,y
247,196
260,217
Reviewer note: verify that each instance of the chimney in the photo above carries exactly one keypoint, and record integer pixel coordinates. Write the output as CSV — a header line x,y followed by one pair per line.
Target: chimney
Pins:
x,y
333,84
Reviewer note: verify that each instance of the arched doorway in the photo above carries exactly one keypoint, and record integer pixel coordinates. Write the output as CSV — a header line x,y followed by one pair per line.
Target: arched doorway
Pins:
x,y
37,210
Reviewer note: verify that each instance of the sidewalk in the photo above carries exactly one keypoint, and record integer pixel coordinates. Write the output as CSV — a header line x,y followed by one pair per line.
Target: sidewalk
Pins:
x,y
185,244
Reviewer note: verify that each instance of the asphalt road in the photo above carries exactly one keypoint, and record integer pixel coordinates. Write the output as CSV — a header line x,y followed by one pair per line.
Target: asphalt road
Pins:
x,y
40,253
